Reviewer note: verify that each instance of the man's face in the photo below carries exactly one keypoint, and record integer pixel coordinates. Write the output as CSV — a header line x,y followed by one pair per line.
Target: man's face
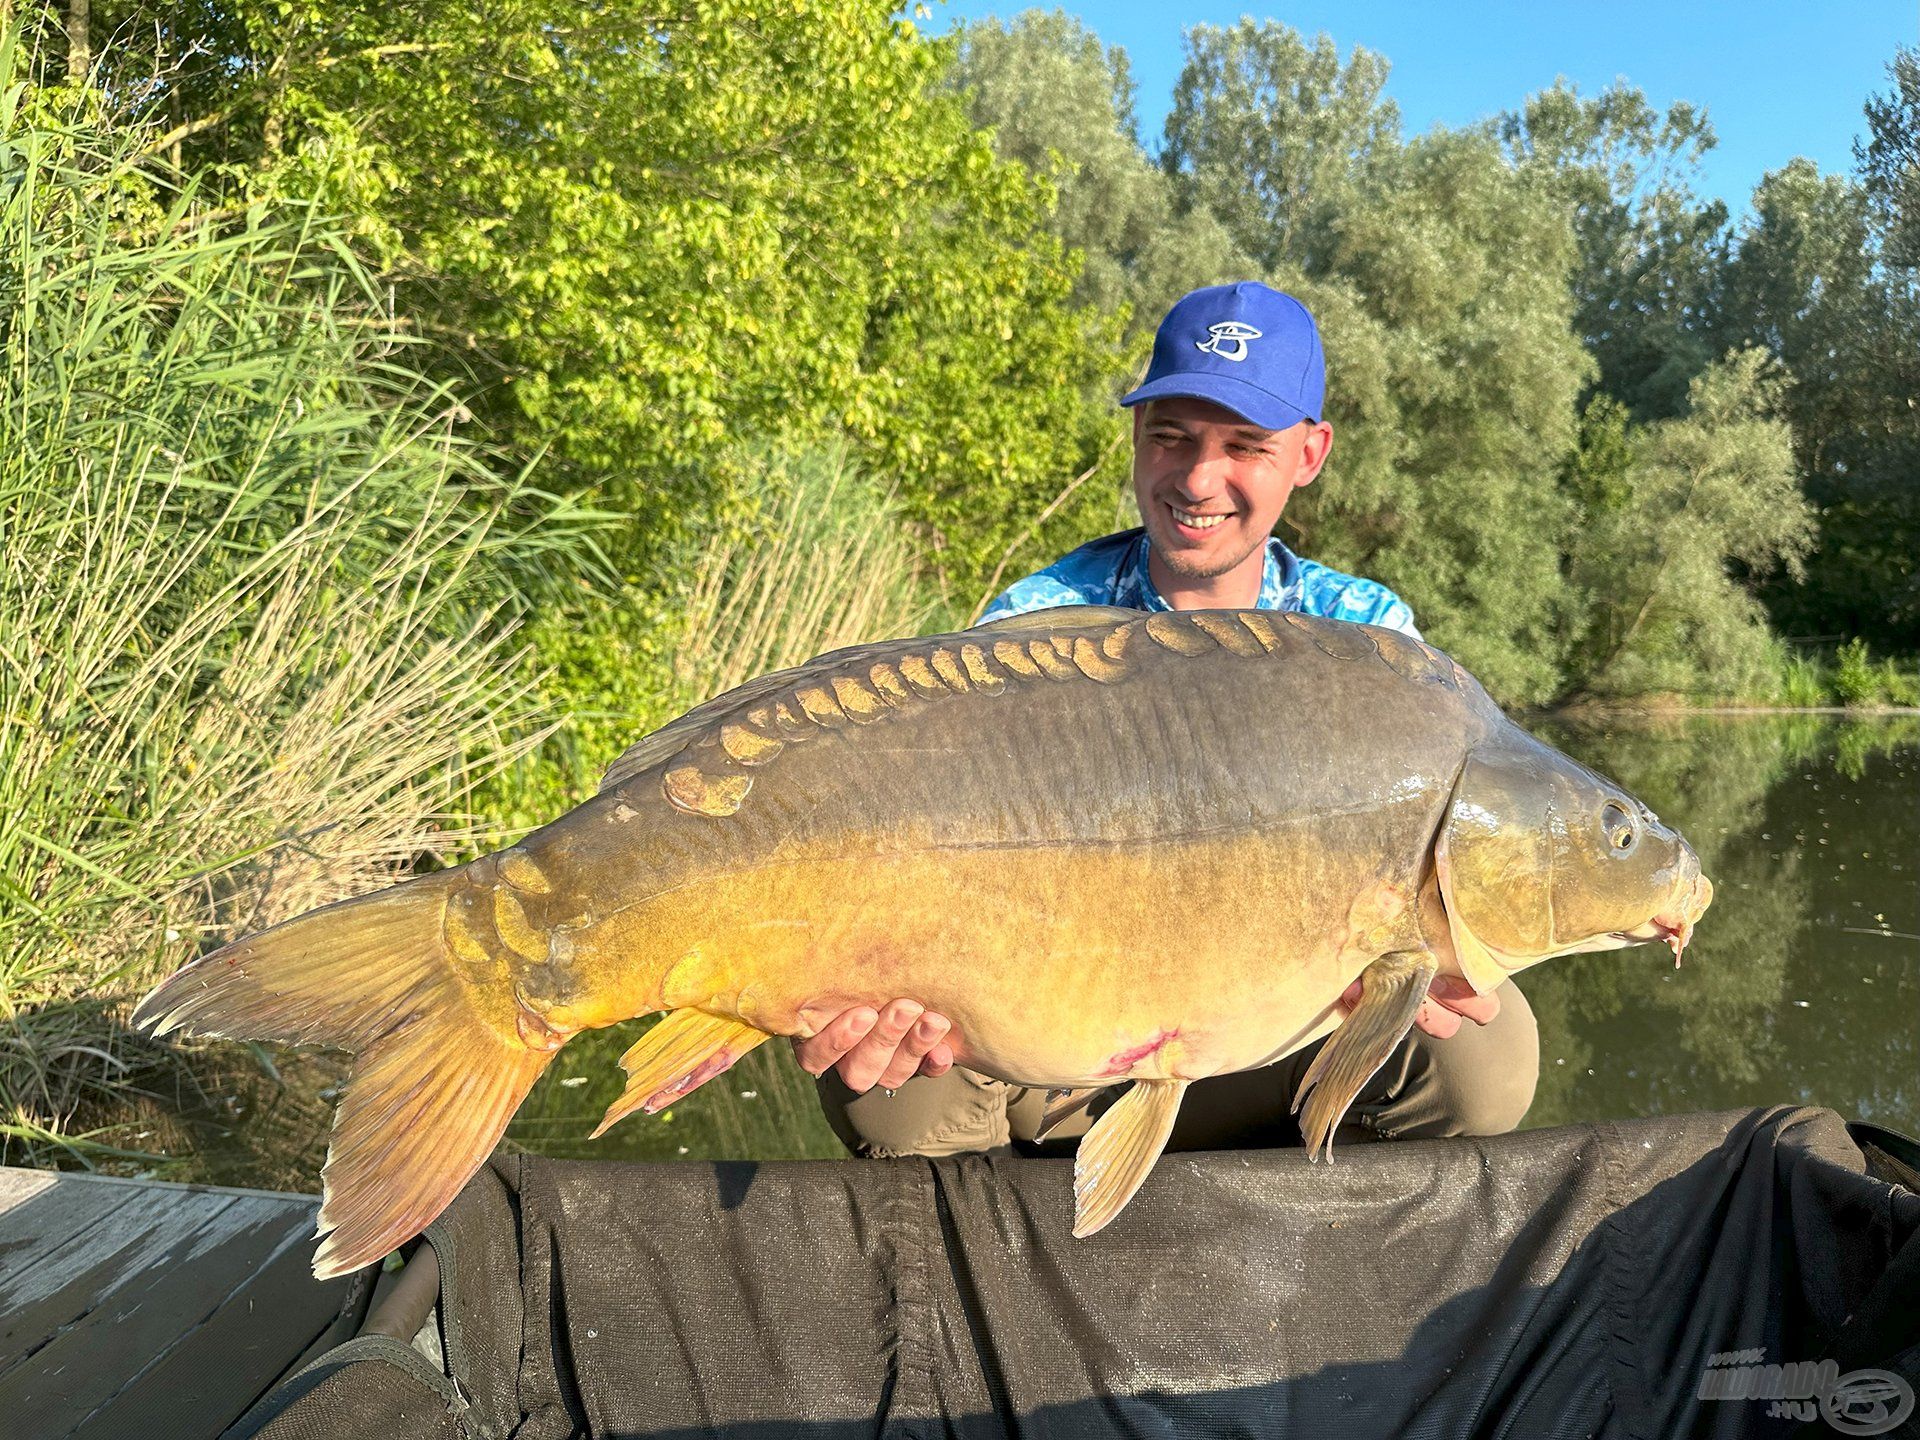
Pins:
x,y
1211,485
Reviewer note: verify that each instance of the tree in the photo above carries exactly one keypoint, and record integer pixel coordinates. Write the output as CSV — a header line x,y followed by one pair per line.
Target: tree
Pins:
x,y
1808,282
1271,135
1889,161
1651,253
1061,104
645,235
1682,505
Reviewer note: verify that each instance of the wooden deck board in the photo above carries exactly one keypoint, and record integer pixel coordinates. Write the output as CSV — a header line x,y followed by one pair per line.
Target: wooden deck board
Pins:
x,y
141,1308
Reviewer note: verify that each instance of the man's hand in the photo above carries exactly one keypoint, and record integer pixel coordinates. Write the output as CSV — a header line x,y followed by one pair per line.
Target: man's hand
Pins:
x,y
1448,999
887,1047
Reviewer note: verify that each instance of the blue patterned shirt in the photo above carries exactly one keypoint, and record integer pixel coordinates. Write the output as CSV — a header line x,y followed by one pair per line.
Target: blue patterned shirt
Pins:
x,y
1113,571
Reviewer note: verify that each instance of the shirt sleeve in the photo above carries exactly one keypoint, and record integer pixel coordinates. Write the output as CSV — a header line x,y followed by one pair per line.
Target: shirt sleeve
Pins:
x,y
1036,592
1399,616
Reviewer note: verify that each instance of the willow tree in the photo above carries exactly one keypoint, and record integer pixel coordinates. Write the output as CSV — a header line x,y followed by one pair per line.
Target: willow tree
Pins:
x,y
1439,276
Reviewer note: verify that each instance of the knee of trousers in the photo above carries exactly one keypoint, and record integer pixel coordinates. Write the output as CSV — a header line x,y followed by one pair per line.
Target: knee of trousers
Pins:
x,y
1479,1082
952,1114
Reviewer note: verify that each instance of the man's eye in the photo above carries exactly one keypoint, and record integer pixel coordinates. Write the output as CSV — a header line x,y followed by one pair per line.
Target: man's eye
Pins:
x,y
1248,452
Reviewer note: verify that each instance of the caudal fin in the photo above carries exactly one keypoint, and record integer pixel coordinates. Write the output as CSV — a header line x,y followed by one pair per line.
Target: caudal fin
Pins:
x,y
439,1065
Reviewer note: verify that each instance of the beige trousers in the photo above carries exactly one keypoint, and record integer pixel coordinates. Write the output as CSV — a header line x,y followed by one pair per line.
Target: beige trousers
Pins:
x,y
1479,1082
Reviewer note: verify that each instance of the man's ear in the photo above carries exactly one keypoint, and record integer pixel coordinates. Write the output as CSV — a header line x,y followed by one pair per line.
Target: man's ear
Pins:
x,y
1315,446
1140,421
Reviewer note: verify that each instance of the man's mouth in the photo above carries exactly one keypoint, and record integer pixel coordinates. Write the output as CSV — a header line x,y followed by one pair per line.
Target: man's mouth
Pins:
x,y
1193,520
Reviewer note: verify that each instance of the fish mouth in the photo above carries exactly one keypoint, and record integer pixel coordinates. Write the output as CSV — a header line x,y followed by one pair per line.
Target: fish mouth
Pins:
x,y
1675,929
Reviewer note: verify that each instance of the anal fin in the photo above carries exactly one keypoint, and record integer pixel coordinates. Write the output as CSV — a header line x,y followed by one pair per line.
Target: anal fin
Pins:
x,y
1391,990
1116,1154
676,1057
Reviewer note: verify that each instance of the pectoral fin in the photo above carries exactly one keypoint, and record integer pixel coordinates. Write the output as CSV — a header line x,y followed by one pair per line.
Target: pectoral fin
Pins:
x,y
1391,989
1116,1154
677,1056
1063,1105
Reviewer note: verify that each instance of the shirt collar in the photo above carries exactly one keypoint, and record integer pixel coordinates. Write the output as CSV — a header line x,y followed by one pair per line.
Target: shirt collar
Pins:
x,y
1279,579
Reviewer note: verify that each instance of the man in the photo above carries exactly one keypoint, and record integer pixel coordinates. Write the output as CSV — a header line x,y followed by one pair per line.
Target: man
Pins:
x,y
1228,424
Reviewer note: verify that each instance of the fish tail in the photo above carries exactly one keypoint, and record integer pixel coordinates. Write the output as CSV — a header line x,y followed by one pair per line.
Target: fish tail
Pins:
x,y
443,1054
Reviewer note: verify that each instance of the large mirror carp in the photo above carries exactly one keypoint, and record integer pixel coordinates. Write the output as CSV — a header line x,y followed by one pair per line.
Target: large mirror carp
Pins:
x,y
1111,846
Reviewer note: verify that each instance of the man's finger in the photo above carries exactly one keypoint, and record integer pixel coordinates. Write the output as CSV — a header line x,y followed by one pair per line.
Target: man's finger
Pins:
x,y
818,1054
1437,1021
861,1066
1458,996
939,1060
927,1032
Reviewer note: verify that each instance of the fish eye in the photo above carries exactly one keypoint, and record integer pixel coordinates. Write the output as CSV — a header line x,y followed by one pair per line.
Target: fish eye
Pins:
x,y
1618,825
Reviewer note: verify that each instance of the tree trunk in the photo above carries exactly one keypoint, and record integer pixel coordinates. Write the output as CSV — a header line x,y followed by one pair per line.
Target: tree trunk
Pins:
x,y
79,56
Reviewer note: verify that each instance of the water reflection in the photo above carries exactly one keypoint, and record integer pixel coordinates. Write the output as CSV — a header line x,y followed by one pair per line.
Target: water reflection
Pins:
x,y
1803,983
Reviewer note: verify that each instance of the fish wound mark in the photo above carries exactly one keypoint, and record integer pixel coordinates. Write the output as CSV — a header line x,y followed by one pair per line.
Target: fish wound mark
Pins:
x,y
1123,1061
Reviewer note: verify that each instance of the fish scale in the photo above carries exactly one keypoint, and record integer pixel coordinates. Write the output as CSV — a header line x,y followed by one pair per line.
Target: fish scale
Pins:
x,y
1111,846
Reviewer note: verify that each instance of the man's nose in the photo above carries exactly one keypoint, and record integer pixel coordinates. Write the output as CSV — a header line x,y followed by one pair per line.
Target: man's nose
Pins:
x,y
1207,476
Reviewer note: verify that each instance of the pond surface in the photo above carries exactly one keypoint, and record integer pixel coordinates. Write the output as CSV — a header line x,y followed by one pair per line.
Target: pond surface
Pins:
x,y
1802,985
1803,981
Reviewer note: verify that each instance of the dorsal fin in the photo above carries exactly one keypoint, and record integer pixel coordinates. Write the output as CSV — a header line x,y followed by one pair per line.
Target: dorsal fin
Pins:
x,y
1061,617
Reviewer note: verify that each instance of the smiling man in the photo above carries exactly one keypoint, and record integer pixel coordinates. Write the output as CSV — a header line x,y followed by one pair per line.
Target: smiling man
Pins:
x,y
1227,426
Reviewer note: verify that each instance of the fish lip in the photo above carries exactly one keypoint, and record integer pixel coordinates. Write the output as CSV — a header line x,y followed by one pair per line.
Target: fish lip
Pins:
x,y
1676,929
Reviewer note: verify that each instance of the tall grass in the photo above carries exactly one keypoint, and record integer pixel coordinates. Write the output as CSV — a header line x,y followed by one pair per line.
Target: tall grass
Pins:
x,y
255,594
813,555
817,558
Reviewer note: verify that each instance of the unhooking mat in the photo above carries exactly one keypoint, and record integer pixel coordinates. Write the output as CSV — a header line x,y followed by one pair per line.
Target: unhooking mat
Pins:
x,y
1742,1274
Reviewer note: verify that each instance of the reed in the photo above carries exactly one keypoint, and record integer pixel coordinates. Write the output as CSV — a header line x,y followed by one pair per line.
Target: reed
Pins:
x,y
820,557
256,595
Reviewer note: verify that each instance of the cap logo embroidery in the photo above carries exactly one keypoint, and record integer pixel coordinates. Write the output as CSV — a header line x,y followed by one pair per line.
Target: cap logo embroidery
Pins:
x,y
1228,340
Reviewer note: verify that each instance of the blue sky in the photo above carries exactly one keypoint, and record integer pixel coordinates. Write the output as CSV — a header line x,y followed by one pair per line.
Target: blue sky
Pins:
x,y
1777,79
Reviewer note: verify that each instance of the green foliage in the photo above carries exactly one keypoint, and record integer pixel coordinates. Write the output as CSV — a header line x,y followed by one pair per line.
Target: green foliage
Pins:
x,y
648,237
1807,284
1061,104
254,589
1889,158
1661,611
1858,679
812,554
1651,254
1803,683
1272,136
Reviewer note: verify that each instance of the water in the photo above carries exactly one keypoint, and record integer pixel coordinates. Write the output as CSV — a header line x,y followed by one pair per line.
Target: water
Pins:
x,y
1802,985
1803,982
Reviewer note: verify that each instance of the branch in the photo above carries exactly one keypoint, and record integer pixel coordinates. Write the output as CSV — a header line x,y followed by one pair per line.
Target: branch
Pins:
x,y
226,112
381,52
993,584
191,128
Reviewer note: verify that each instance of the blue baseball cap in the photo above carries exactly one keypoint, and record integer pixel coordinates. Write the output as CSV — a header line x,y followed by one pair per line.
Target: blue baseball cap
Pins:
x,y
1247,347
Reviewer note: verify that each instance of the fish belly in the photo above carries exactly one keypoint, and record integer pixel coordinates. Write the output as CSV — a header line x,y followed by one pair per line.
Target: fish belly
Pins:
x,y
1059,966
